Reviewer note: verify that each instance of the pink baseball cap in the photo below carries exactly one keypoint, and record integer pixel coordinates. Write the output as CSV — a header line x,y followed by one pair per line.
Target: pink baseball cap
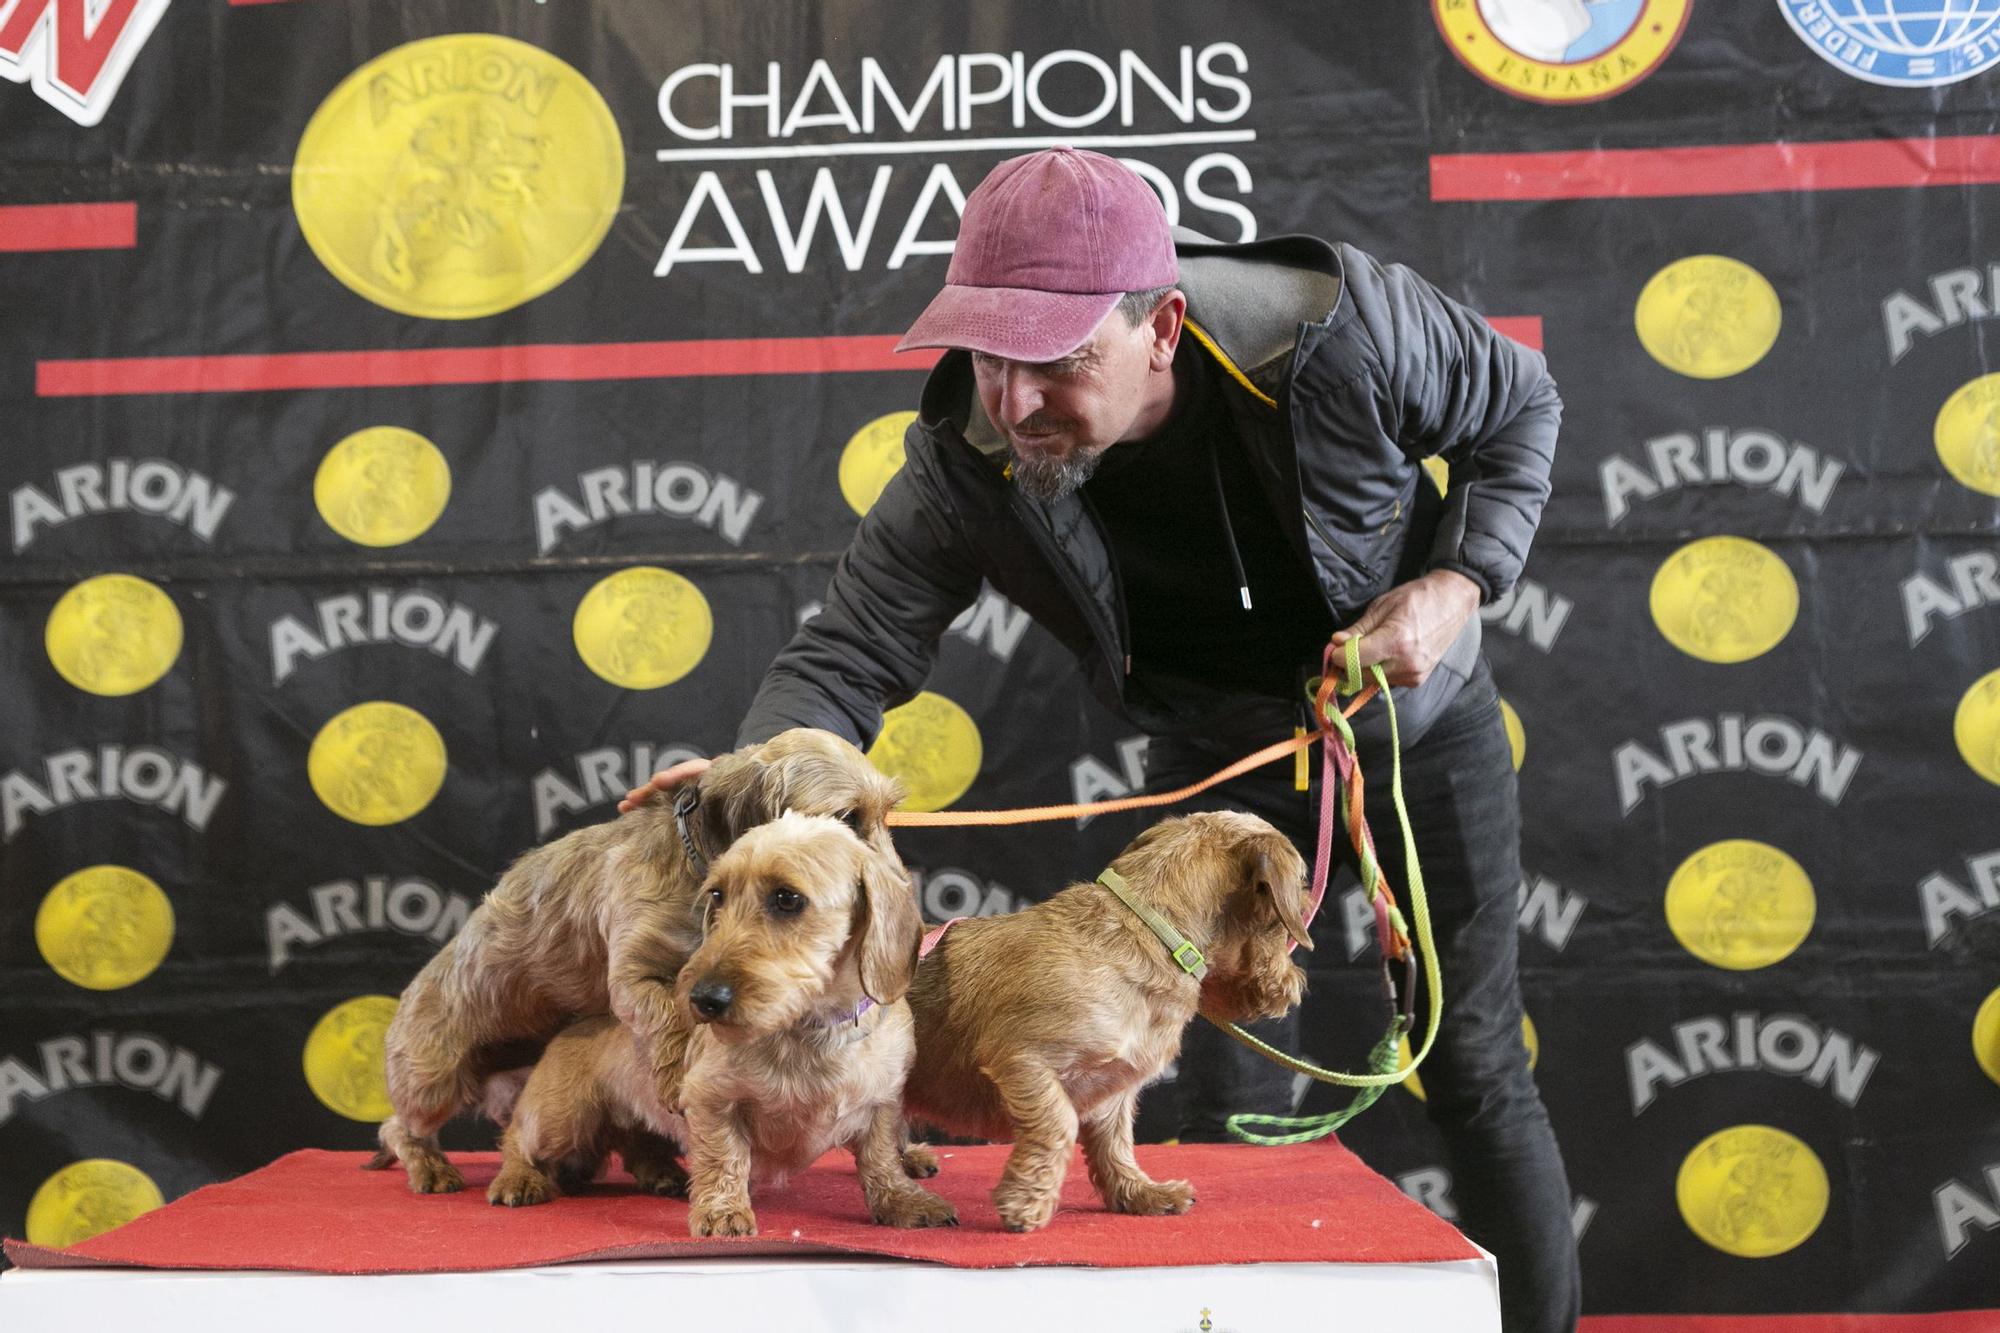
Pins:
x,y
1048,244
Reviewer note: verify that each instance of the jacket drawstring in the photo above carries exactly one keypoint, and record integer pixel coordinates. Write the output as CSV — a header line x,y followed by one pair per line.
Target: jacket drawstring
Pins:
x,y
1228,530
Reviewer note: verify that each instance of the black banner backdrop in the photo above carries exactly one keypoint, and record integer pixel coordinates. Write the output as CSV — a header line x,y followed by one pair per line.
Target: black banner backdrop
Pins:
x,y
421,421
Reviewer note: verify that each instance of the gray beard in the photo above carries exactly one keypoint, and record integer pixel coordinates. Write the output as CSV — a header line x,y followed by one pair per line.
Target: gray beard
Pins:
x,y
1051,479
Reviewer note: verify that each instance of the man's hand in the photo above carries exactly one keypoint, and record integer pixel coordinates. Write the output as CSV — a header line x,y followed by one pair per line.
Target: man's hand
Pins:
x,y
663,781
1408,628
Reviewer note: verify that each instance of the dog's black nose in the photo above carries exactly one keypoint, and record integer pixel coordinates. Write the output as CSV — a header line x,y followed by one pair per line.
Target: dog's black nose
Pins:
x,y
711,999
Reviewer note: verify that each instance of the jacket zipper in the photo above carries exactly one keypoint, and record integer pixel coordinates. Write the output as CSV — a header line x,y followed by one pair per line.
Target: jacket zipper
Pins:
x,y
1123,629
1336,547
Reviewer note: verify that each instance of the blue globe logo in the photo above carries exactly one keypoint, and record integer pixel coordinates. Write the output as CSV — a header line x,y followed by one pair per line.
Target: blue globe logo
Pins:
x,y
1900,43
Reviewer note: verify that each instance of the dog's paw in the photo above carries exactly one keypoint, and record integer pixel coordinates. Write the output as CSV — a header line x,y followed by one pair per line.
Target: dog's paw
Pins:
x,y
915,1208
520,1186
725,1220
1155,1198
1023,1211
919,1162
432,1174
666,1178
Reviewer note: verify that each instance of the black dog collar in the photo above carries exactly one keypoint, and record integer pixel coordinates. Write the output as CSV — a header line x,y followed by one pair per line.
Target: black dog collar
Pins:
x,y
686,801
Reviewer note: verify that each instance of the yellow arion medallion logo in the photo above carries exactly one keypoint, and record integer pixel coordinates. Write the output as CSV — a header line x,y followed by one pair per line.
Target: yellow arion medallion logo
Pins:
x,y
873,455
104,927
382,486
113,635
1708,316
1724,599
1976,727
1968,435
1752,1191
458,176
343,1058
642,628
89,1198
1740,904
931,745
377,763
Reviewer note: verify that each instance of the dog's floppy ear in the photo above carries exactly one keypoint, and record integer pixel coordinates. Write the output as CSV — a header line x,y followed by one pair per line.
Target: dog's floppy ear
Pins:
x,y
1275,868
734,800
890,928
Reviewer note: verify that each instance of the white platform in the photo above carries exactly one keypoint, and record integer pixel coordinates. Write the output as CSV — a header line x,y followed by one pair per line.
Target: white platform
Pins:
x,y
832,1295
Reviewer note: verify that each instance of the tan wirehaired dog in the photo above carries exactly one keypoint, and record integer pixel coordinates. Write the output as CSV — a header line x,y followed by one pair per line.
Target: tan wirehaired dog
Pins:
x,y
1043,1025
792,1038
598,920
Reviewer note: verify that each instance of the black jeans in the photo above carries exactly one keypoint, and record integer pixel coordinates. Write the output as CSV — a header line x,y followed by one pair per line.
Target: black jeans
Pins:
x,y
1458,782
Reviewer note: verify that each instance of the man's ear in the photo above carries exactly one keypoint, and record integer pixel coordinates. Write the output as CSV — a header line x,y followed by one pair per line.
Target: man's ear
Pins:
x,y
890,927
1168,318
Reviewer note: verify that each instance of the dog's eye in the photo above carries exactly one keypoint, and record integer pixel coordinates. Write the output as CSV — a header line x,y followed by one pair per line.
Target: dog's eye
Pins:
x,y
851,818
787,901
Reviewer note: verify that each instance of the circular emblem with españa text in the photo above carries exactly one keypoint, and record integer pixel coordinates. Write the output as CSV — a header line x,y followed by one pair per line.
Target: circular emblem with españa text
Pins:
x,y
1561,50
1724,599
1986,1035
376,763
873,455
458,176
1976,727
1752,1191
382,486
89,1198
113,635
104,927
1740,905
343,1058
1968,435
642,628
932,746
1708,316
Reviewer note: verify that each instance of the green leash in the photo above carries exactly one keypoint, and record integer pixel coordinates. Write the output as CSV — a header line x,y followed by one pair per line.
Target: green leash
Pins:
x,y
1383,1067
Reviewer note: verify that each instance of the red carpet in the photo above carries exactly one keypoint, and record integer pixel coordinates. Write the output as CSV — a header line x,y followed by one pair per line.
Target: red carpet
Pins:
x,y
317,1211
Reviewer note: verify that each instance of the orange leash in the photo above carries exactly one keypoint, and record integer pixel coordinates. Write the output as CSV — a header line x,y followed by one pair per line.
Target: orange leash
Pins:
x,y
1037,814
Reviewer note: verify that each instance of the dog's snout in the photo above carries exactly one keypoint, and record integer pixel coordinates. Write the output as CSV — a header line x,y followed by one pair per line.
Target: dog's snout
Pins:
x,y
711,998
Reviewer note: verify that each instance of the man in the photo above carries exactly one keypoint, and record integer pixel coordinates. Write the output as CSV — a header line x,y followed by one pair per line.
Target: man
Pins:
x,y
1195,518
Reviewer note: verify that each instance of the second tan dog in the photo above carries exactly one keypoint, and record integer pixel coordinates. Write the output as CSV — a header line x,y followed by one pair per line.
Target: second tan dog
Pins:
x,y
598,920
1042,1026
791,1038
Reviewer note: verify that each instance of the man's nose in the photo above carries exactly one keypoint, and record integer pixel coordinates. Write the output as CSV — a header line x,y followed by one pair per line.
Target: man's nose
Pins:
x,y
1020,394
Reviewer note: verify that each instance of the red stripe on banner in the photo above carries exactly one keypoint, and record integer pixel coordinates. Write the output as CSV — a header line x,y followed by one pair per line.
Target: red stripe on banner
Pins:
x,y
31,227
1521,328
1944,1321
251,373
1763,168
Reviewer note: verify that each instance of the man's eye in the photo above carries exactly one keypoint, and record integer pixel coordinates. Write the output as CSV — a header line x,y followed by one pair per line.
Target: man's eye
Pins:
x,y
787,901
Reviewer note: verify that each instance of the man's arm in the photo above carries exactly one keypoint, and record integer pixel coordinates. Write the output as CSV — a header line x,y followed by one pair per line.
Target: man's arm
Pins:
x,y
1485,404
902,581
1456,388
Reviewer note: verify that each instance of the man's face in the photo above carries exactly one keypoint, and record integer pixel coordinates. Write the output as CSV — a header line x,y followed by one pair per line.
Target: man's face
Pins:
x,y
1058,417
